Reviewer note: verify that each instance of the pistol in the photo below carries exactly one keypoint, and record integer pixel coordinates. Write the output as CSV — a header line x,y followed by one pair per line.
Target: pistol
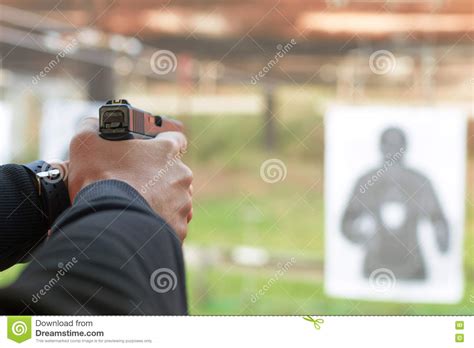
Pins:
x,y
118,120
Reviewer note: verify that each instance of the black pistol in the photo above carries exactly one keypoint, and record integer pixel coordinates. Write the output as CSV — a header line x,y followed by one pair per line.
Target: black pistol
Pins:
x,y
118,120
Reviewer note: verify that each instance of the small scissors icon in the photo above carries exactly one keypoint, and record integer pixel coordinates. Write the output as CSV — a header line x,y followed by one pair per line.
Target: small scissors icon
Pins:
x,y
316,322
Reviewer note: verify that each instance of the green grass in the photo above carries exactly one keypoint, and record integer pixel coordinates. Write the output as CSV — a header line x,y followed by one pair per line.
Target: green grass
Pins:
x,y
228,289
270,222
9,276
232,294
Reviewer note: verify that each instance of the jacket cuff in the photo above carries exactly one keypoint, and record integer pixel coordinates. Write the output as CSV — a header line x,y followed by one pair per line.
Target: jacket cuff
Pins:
x,y
111,189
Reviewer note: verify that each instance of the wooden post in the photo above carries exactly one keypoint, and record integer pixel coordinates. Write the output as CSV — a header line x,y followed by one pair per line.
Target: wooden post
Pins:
x,y
269,112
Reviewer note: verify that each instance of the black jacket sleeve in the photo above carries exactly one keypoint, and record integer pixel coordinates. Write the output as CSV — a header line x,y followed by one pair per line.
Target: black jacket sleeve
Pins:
x,y
23,224
108,254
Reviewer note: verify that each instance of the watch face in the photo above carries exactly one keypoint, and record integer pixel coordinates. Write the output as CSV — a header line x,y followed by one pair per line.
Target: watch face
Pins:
x,y
52,174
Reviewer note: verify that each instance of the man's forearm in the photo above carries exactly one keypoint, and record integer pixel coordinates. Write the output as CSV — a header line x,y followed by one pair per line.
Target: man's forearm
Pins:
x,y
109,254
22,221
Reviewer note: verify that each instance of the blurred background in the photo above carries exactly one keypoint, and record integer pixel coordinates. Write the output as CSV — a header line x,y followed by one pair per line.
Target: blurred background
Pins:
x,y
252,80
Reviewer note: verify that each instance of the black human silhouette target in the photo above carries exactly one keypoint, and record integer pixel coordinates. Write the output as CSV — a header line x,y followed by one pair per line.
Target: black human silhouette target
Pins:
x,y
394,201
385,209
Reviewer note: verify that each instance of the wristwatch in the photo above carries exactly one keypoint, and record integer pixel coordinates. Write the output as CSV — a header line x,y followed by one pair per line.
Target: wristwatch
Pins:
x,y
51,189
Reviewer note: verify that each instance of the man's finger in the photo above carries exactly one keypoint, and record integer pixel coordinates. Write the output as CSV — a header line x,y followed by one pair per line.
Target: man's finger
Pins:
x,y
177,138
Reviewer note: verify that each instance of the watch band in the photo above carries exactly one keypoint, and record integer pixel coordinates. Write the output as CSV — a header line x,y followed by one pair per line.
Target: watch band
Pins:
x,y
51,189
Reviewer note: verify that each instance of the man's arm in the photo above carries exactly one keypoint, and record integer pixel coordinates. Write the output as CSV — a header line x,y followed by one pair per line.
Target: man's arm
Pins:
x,y
22,223
120,256
109,254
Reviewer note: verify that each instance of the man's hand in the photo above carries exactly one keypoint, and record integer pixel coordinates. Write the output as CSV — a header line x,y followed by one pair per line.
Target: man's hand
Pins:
x,y
153,167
